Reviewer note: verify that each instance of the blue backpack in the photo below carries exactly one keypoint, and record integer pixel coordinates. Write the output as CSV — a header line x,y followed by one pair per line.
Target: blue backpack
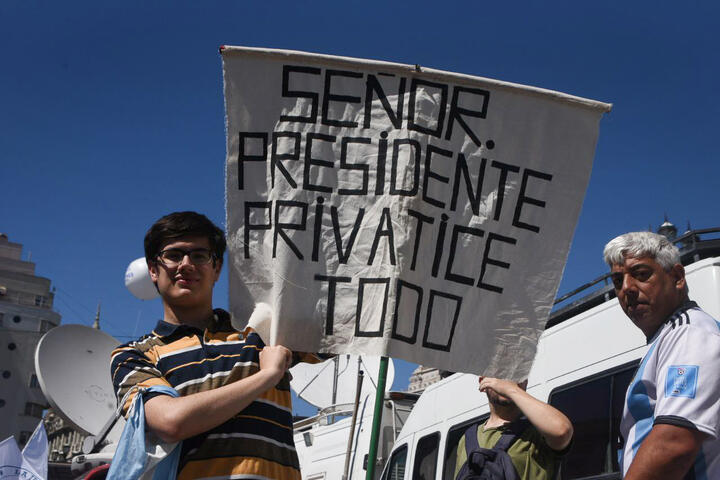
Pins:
x,y
490,463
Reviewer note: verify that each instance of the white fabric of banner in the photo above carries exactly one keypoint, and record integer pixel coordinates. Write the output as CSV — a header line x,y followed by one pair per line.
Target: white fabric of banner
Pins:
x,y
389,209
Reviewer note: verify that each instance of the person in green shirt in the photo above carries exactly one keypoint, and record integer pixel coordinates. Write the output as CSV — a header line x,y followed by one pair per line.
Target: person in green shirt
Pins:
x,y
536,452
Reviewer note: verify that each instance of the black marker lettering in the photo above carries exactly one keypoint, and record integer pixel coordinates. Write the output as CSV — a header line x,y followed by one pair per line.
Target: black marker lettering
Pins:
x,y
243,157
421,219
362,167
287,93
373,87
344,255
429,173
275,157
415,147
330,97
280,227
461,168
504,169
456,111
439,244
440,109
384,229
491,261
358,314
401,287
332,285
310,161
522,199
249,226
319,208
457,230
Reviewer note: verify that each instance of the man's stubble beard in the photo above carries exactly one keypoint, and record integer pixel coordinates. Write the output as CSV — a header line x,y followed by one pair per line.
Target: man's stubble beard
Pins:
x,y
499,401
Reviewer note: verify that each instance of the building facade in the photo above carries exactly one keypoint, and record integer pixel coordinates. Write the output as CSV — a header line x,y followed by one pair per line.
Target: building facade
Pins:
x,y
422,377
26,313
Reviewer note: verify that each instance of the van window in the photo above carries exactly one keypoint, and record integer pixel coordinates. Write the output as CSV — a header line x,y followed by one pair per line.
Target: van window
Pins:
x,y
453,438
396,465
594,406
426,457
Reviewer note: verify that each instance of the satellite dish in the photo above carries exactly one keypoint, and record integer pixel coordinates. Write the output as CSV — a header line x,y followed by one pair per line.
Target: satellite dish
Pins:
x,y
72,363
137,280
314,382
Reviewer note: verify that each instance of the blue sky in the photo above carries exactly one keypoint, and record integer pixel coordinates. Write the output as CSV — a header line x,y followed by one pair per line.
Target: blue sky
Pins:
x,y
112,114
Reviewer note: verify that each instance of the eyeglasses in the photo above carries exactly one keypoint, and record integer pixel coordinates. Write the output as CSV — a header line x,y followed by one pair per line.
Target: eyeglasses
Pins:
x,y
172,257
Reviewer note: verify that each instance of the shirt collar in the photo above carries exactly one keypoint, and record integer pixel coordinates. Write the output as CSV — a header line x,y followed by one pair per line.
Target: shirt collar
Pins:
x,y
164,329
682,308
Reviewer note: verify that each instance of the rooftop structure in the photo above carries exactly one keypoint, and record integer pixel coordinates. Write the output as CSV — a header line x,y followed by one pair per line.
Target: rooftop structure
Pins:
x,y
694,245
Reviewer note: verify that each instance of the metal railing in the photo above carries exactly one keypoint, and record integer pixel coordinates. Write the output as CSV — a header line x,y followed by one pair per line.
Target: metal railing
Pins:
x,y
25,299
693,245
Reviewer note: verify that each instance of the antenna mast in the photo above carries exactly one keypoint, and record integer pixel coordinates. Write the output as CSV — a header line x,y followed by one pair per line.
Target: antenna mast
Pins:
x,y
96,324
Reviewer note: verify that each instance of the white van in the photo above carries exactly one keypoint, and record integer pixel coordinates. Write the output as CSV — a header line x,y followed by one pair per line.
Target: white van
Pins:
x,y
322,443
586,359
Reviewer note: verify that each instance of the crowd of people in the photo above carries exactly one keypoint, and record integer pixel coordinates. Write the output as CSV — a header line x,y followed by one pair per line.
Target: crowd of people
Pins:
x,y
230,408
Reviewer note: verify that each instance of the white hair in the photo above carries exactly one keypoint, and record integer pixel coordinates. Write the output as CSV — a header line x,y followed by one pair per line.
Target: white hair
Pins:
x,y
641,244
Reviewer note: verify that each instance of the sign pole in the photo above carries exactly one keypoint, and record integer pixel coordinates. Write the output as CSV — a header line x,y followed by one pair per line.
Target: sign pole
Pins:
x,y
377,417
358,390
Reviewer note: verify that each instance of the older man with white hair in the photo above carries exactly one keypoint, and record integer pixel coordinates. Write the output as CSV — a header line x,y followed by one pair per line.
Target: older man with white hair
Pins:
x,y
671,418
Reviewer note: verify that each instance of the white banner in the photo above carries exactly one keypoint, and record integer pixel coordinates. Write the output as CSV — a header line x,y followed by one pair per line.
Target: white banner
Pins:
x,y
395,210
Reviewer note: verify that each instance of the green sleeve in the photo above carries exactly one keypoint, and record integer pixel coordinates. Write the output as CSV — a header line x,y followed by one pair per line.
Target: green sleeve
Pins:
x,y
461,456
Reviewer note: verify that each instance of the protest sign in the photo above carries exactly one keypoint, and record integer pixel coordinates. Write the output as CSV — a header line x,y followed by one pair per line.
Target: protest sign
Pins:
x,y
389,209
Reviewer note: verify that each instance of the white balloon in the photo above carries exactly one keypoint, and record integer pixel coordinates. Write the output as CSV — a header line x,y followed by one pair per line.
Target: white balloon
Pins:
x,y
137,280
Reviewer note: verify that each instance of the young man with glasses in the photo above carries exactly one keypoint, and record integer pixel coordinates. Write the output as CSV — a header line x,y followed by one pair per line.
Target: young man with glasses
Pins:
x,y
234,411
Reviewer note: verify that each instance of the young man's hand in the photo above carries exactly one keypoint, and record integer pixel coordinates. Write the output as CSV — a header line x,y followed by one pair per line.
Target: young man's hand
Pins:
x,y
552,424
276,359
174,419
506,388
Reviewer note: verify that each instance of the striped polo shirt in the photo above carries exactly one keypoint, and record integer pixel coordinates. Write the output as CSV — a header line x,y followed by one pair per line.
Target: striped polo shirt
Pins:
x,y
257,443
678,383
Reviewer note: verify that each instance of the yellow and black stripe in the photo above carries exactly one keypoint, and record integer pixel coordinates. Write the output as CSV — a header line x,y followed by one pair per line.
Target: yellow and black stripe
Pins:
x,y
257,442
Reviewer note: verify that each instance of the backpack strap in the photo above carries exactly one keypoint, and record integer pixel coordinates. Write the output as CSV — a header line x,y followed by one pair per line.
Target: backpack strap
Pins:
x,y
471,445
471,441
511,434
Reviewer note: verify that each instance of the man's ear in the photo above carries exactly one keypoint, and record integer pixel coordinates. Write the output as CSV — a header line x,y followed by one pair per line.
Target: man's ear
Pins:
x,y
218,268
678,274
153,269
